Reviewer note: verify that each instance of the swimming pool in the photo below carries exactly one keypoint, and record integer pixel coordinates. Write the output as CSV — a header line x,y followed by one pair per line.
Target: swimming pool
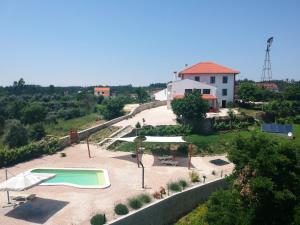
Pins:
x,y
76,177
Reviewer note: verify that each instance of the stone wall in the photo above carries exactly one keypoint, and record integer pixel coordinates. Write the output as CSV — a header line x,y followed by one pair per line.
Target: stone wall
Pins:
x,y
65,141
168,210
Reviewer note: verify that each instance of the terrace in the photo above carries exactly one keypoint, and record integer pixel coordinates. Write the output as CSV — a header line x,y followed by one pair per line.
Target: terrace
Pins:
x,y
71,205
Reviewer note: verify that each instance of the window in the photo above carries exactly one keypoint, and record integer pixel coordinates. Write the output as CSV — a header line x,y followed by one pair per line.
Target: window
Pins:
x,y
187,91
225,80
197,78
206,91
212,80
224,92
199,90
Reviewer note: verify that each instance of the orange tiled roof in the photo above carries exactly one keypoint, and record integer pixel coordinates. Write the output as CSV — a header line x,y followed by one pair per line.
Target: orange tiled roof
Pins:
x,y
268,85
101,88
208,68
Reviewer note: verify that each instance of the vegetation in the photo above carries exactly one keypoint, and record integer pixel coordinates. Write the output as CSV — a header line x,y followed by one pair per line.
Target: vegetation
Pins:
x,y
12,156
135,203
196,217
113,108
163,130
121,209
103,133
194,176
98,219
145,198
264,188
15,134
183,183
191,109
174,186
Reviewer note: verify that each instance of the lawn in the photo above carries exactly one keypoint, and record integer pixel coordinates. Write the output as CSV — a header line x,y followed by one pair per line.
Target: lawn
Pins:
x,y
249,112
215,143
62,127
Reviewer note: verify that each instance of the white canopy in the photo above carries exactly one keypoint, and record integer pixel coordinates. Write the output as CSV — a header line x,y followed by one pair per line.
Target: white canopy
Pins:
x,y
24,181
176,139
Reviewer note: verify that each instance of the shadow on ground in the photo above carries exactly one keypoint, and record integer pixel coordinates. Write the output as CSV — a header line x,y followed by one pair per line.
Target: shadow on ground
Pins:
x,y
38,210
182,162
129,158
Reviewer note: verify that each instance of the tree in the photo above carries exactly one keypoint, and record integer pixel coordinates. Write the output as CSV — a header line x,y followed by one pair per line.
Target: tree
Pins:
x,y
15,134
113,108
142,95
37,132
277,109
34,113
265,187
190,108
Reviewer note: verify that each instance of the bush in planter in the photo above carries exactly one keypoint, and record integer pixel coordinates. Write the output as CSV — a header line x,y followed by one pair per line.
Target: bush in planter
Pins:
x,y
98,219
174,186
145,198
121,209
194,176
183,183
135,203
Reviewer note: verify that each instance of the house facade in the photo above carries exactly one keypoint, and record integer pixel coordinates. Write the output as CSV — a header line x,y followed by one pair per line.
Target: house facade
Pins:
x,y
215,82
104,91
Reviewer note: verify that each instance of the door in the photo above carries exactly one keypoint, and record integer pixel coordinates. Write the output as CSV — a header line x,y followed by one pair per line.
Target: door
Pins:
x,y
223,103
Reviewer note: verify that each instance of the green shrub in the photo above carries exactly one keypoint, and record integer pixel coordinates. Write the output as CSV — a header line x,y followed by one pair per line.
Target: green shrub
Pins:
x,y
194,176
121,209
174,186
98,219
297,119
135,203
166,130
145,198
15,134
183,183
10,157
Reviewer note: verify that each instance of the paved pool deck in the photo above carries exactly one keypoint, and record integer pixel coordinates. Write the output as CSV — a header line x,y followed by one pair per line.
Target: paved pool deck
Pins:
x,y
56,205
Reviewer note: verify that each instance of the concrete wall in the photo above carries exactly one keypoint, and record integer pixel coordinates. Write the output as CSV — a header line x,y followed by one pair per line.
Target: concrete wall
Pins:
x,y
168,210
65,141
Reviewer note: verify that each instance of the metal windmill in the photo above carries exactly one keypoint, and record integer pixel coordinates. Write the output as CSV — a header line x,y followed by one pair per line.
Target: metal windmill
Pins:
x,y
266,75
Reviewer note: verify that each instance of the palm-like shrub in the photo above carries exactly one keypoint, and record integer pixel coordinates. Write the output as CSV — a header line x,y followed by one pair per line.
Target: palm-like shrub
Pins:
x,y
194,176
135,203
145,198
174,186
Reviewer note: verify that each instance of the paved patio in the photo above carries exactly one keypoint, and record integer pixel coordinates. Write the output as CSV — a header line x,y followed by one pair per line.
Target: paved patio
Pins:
x,y
69,205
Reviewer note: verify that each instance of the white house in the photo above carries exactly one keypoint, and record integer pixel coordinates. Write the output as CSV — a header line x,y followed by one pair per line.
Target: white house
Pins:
x,y
160,95
216,83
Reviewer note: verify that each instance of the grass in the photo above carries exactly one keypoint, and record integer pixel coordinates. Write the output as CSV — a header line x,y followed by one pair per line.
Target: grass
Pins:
x,y
249,112
135,203
215,143
196,217
102,134
63,127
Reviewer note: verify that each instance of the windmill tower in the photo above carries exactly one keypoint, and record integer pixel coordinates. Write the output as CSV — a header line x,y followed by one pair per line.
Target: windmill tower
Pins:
x,y
266,75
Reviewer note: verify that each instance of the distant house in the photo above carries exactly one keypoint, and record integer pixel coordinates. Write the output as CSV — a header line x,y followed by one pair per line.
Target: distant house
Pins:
x,y
160,95
104,91
269,86
215,82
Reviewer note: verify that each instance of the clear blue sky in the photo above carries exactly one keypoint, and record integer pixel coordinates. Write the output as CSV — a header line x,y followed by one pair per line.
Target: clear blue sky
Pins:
x,y
140,42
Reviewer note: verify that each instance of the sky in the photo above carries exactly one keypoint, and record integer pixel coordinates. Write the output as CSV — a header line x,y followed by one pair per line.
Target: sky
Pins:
x,y
138,42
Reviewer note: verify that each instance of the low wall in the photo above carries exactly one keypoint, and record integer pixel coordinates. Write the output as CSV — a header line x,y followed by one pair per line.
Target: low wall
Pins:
x,y
65,141
168,210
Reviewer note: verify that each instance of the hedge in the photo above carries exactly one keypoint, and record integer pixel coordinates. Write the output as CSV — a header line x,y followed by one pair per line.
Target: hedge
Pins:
x,y
9,157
